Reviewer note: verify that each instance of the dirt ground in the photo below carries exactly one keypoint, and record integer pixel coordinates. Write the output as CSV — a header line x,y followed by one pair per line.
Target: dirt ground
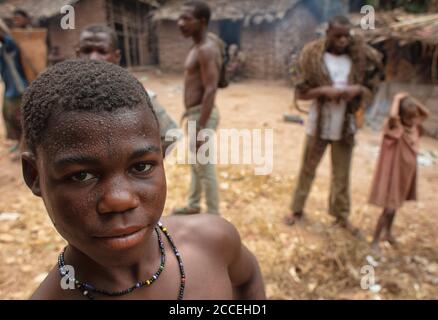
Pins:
x,y
312,260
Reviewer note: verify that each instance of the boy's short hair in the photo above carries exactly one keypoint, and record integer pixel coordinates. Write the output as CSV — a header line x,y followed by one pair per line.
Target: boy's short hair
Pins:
x,y
79,85
201,9
102,28
339,20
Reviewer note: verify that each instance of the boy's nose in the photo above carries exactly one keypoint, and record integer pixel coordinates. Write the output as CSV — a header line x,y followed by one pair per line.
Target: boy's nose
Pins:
x,y
117,199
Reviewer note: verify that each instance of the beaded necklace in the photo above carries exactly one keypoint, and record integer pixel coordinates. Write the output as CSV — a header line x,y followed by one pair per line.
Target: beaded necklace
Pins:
x,y
86,288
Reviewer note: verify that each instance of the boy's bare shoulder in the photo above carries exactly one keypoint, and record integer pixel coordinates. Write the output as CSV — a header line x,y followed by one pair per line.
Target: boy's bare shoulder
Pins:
x,y
50,288
205,230
208,227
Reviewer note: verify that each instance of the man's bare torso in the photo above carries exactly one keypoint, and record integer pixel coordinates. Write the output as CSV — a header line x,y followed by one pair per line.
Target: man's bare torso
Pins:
x,y
193,84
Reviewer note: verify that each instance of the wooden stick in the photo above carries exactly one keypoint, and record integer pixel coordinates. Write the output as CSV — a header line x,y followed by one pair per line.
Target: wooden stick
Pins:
x,y
4,28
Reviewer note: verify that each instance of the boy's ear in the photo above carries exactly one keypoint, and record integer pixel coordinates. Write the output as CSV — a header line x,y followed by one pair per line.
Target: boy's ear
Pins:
x,y
30,172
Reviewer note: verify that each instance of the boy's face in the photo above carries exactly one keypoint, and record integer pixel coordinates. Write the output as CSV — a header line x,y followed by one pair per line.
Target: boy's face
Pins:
x,y
102,181
97,46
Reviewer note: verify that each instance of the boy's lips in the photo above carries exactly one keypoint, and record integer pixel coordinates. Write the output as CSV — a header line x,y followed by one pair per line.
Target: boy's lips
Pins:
x,y
122,238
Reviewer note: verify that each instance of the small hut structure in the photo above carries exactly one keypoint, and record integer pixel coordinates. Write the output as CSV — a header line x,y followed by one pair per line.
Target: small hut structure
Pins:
x,y
268,32
130,18
409,43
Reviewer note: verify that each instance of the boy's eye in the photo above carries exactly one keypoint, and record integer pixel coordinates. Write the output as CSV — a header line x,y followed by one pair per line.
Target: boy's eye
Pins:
x,y
142,167
82,176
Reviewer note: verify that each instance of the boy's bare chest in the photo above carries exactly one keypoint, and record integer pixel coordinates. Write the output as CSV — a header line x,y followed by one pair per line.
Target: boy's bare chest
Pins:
x,y
205,278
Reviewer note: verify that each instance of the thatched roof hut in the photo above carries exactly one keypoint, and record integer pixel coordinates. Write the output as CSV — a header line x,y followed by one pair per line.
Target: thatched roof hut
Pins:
x,y
130,18
268,32
409,42
247,11
410,45
402,26
47,8
37,9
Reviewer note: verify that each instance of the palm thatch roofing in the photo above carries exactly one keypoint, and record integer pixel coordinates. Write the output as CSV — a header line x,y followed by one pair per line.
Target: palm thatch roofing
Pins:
x,y
248,11
36,9
403,27
45,8
398,29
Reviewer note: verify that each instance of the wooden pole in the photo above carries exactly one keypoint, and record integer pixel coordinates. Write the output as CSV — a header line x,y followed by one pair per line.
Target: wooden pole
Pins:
x,y
126,37
434,65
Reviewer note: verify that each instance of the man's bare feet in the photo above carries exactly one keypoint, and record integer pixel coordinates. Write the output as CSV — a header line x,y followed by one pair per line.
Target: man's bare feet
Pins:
x,y
375,248
293,218
344,223
186,210
390,238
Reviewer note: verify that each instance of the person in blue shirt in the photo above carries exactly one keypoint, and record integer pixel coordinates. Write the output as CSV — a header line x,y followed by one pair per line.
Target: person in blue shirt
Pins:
x,y
12,74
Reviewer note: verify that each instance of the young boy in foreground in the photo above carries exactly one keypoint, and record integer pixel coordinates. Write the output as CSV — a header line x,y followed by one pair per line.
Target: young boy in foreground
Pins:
x,y
94,156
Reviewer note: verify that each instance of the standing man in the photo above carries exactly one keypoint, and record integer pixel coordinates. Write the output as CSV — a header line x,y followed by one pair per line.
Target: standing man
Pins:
x,y
201,77
339,73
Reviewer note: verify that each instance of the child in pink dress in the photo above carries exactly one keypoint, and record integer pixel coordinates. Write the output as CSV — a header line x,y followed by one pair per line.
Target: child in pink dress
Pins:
x,y
396,173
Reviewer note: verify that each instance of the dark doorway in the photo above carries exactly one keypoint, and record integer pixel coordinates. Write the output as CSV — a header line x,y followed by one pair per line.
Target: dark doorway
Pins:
x,y
121,42
229,31
132,22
